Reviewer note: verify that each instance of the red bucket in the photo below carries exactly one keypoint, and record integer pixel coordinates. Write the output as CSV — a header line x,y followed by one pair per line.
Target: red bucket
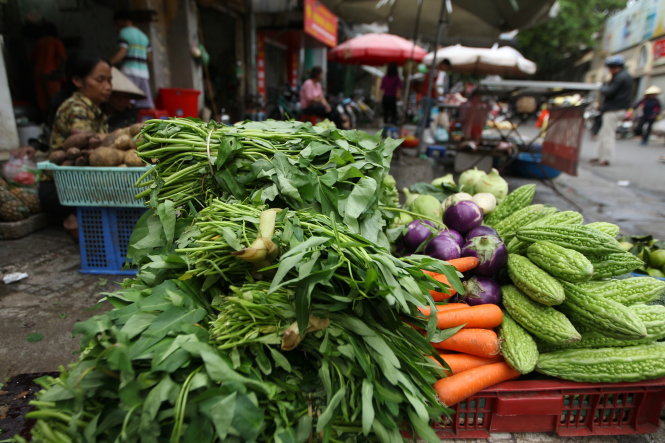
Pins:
x,y
180,102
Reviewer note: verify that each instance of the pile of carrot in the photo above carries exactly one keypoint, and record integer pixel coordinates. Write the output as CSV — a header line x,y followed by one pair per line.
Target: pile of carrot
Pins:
x,y
462,264
476,363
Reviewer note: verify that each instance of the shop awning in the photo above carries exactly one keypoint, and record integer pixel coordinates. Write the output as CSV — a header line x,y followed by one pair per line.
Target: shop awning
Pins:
x,y
470,19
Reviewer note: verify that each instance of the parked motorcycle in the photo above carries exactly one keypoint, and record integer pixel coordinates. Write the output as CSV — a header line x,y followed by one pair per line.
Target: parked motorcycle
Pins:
x,y
288,104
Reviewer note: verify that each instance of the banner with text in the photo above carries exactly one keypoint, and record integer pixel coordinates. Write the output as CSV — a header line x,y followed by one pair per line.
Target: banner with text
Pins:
x,y
320,23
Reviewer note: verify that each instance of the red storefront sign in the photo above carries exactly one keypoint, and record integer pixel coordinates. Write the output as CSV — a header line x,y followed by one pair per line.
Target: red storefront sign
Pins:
x,y
320,23
659,49
261,68
561,147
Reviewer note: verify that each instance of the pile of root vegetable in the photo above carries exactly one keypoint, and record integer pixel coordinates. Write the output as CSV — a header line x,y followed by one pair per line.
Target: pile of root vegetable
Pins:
x,y
90,149
262,309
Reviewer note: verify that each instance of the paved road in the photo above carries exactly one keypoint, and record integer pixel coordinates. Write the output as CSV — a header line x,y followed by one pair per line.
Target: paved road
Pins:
x,y
639,165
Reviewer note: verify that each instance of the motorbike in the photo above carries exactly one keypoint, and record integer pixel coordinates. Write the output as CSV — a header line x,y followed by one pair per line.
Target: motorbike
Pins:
x,y
288,104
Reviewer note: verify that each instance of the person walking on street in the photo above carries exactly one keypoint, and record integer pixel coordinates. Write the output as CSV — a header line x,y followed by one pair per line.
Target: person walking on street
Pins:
x,y
391,87
133,55
617,98
650,110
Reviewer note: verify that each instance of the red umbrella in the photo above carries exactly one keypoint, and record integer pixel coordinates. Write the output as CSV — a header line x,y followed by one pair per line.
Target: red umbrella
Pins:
x,y
376,49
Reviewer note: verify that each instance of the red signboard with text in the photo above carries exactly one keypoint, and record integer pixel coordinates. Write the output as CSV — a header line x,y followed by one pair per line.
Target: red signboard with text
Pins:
x,y
561,147
320,23
658,49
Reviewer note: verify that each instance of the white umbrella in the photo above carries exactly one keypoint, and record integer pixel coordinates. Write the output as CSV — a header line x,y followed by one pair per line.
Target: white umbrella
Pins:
x,y
504,61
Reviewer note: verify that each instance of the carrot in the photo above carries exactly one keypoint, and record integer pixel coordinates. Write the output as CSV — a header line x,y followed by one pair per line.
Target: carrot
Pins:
x,y
442,308
458,387
464,264
436,295
462,362
480,342
486,316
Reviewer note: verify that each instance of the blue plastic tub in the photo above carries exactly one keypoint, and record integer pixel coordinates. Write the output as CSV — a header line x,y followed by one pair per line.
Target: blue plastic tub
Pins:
x,y
637,274
528,165
103,238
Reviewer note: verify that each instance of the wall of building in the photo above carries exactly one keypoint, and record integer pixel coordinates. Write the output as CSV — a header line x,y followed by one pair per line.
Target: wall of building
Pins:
x,y
8,132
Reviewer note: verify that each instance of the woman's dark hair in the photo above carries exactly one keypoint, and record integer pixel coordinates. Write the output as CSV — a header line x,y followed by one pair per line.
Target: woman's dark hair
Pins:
x,y
315,72
79,65
392,70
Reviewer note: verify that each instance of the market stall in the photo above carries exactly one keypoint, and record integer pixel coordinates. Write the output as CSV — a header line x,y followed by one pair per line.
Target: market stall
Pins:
x,y
490,125
284,293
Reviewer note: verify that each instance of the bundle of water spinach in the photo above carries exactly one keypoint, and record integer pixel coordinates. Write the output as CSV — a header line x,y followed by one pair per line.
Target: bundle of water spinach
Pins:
x,y
249,323
282,164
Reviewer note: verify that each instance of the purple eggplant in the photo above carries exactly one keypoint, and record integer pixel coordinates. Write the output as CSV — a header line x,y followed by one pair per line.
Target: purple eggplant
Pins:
x,y
481,291
490,250
443,247
454,234
463,216
418,231
480,230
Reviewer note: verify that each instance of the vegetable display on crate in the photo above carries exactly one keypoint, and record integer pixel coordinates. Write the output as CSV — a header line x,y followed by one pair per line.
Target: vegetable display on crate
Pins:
x,y
268,304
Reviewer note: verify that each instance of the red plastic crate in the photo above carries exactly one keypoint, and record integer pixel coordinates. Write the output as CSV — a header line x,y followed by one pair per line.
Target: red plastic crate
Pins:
x,y
566,408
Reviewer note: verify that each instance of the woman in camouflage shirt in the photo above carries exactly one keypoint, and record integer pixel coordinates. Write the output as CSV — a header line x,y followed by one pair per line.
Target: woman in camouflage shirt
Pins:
x,y
89,83
90,78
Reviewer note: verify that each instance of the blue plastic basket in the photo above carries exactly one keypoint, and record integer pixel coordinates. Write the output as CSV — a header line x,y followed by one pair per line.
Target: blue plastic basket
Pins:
x,y
103,238
96,186
637,274
527,164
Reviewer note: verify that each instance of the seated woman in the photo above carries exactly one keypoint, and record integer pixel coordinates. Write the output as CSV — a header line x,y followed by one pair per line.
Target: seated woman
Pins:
x,y
312,99
88,85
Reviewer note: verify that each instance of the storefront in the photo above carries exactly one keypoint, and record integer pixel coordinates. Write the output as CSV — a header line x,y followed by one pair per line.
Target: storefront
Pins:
x,y
289,42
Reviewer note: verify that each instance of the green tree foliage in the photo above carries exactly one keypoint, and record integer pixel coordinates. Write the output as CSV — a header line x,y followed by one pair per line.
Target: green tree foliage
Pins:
x,y
562,40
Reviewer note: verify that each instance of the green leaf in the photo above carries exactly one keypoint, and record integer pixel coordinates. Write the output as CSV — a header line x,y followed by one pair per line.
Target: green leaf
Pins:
x,y
166,213
221,410
225,150
329,412
34,337
304,429
362,195
226,180
367,393
422,427
286,264
219,369
248,419
279,359
138,323
443,334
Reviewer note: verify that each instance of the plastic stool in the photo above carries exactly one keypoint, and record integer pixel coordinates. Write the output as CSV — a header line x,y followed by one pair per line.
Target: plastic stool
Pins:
x,y
147,114
390,132
439,150
313,119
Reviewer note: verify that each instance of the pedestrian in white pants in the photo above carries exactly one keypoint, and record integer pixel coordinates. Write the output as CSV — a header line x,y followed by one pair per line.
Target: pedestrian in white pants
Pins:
x,y
607,136
617,97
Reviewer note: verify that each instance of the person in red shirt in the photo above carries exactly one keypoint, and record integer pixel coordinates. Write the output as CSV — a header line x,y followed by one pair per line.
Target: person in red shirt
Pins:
x,y
391,86
49,66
